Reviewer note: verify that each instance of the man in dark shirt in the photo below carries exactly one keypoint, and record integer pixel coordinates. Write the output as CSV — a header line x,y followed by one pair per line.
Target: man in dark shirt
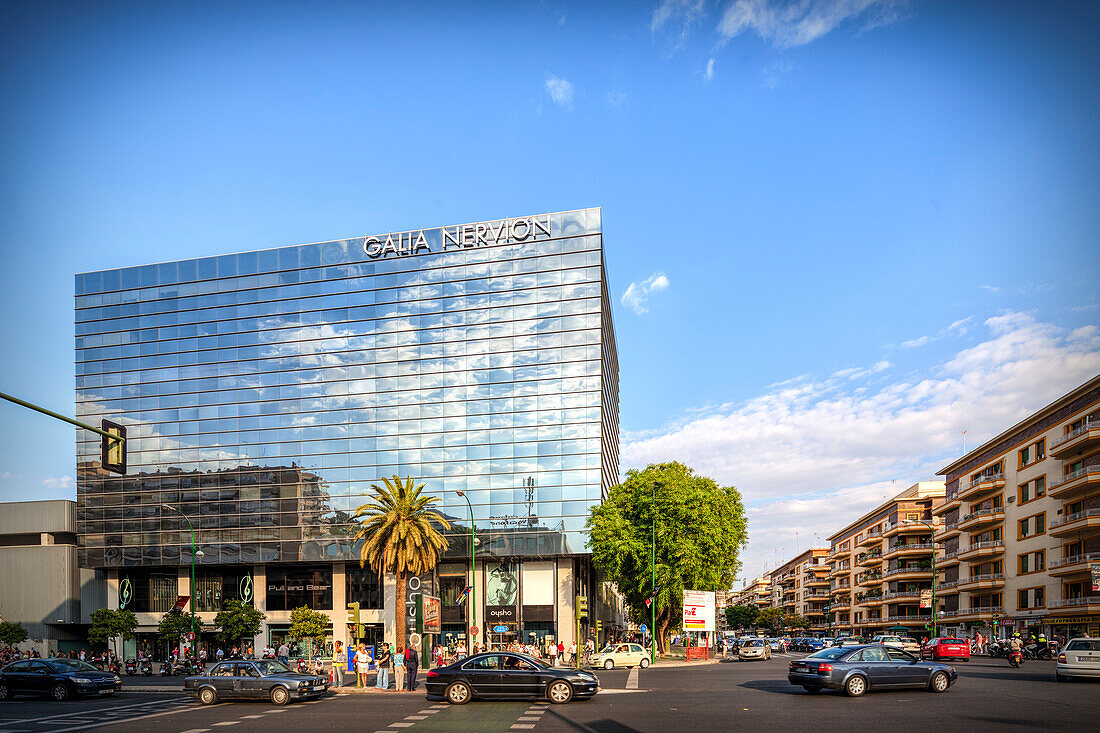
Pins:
x,y
412,663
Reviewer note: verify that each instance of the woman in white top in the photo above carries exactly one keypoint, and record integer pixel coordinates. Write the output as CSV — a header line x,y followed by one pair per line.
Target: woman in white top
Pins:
x,y
362,664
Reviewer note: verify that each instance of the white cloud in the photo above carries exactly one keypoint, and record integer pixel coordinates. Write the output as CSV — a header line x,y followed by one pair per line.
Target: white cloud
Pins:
x,y
709,73
637,294
787,24
773,73
685,12
917,342
991,288
961,325
58,482
829,447
615,100
561,91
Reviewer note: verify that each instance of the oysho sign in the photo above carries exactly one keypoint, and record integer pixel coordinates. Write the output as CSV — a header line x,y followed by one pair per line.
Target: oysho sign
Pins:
x,y
458,236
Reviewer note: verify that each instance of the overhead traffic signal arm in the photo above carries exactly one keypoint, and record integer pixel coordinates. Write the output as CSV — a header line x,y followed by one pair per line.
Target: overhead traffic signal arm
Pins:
x,y
113,436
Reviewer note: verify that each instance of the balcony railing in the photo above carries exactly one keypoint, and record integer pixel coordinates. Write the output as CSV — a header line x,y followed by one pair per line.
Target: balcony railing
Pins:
x,y
1074,559
911,546
913,569
982,545
903,593
981,578
982,513
914,619
986,478
1087,514
1074,475
1084,427
1074,602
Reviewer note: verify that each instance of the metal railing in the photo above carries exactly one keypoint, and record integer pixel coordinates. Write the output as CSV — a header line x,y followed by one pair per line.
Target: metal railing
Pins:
x,y
903,593
1074,475
982,545
1077,516
918,617
982,513
986,478
899,571
1086,426
981,578
911,546
1074,602
1074,559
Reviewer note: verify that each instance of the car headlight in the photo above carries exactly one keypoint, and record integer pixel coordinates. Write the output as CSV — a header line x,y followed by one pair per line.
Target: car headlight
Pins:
x,y
117,678
82,680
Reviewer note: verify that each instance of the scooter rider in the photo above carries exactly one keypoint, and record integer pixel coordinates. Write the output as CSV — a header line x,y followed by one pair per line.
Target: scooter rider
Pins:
x,y
1015,644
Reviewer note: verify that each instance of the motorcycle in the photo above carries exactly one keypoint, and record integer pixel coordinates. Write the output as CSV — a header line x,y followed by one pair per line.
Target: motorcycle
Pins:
x,y
146,667
303,667
996,649
1016,658
167,668
131,667
114,666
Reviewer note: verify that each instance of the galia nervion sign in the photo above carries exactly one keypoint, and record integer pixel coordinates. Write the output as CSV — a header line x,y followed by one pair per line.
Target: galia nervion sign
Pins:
x,y
459,236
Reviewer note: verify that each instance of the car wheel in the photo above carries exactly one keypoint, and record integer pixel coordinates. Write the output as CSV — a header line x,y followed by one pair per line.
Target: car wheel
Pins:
x,y
855,686
644,663
208,696
939,682
59,692
559,692
458,693
280,695
5,693
812,689
608,664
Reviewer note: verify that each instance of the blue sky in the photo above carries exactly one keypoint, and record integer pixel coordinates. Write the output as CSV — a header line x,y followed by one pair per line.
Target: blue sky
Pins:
x,y
874,220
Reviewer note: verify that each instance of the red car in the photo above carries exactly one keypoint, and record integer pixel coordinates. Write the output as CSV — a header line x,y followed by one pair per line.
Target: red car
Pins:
x,y
938,649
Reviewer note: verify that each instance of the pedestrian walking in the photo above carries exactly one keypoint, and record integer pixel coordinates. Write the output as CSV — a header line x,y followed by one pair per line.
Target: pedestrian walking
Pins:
x,y
283,654
553,650
362,664
339,664
572,652
384,659
412,664
561,650
399,672
219,655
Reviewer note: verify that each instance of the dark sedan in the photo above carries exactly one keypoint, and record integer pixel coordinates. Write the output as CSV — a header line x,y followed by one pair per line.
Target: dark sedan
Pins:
x,y
509,675
855,670
58,678
262,679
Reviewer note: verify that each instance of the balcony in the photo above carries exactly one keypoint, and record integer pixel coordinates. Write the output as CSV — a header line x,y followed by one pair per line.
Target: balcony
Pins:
x,y
949,503
1072,564
1075,483
898,594
872,601
949,558
1073,523
947,587
841,603
981,519
866,579
873,537
913,548
986,581
909,573
989,548
981,485
1085,602
815,582
814,594
977,612
949,530
836,553
841,570
915,619
866,559
1082,438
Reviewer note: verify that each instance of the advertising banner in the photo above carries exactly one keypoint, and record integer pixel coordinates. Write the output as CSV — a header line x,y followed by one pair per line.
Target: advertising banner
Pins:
x,y
926,598
432,614
699,610
1095,568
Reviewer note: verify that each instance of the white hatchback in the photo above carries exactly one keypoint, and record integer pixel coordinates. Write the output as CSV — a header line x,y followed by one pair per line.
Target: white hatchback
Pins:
x,y
1079,658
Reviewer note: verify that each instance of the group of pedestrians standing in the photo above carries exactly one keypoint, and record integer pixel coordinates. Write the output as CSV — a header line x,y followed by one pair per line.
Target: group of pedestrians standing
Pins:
x,y
404,665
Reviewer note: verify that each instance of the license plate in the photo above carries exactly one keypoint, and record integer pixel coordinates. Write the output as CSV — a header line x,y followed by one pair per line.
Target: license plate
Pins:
x,y
105,692
801,667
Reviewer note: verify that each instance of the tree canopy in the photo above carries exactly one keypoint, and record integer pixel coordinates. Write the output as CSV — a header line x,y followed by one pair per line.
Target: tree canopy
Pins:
x,y
741,617
108,624
399,535
305,623
699,528
173,626
773,619
237,621
12,633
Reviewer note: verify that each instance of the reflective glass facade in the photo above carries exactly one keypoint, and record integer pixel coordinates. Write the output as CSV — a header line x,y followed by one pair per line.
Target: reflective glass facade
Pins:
x,y
264,392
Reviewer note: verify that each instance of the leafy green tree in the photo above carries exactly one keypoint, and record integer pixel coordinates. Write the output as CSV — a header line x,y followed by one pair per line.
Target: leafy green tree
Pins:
x,y
795,621
237,621
305,623
12,633
700,531
399,535
173,626
741,617
773,619
107,624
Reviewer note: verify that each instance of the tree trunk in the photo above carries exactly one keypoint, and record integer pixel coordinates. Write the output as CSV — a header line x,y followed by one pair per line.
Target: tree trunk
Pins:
x,y
401,612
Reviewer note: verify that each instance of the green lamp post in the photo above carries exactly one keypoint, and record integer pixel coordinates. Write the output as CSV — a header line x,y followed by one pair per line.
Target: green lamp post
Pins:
x,y
473,578
195,553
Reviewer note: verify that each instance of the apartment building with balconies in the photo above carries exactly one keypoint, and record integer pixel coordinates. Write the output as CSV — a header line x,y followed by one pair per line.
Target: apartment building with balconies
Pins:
x,y
1021,525
801,586
757,593
881,566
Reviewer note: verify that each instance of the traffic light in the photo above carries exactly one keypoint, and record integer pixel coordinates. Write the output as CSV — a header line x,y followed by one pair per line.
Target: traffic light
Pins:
x,y
582,606
112,451
353,620
599,626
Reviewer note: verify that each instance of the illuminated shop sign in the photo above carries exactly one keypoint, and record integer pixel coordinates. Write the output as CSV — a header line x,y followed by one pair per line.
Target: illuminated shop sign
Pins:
x,y
478,234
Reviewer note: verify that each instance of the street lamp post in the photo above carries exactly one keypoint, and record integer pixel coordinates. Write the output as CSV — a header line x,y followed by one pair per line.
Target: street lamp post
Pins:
x,y
653,602
935,631
195,552
472,610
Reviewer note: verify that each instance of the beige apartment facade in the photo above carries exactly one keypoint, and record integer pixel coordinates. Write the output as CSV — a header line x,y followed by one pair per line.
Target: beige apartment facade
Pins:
x,y
881,566
801,586
1021,526
757,593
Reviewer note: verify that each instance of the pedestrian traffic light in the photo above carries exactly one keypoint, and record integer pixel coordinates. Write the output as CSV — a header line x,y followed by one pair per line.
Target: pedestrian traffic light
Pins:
x,y
353,620
582,606
112,450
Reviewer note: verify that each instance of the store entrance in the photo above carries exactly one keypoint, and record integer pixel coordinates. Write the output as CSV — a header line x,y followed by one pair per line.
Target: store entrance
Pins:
x,y
501,635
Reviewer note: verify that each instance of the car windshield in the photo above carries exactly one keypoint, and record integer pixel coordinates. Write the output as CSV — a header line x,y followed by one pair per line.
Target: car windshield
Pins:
x,y
951,641
270,666
72,665
753,642
1082,645
607,649
833,653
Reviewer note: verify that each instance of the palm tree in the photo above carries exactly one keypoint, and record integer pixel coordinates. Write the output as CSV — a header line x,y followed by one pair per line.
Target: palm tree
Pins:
x,y
397,529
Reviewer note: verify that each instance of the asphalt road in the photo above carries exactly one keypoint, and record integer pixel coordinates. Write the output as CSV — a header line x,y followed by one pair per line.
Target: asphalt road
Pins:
x,y
989,696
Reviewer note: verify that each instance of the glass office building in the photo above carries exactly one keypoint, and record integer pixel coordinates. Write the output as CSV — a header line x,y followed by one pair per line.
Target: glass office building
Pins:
x,y
264,392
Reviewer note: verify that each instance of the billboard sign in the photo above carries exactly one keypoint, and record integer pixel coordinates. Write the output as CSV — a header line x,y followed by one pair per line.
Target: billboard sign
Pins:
x,y
699,610
926,598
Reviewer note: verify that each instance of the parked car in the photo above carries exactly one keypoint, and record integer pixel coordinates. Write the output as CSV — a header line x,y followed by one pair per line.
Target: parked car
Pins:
x,y
778,646
946,648
849,641
828,641
855,670
620,655
1079,658
910,644
887,640
58,678
814,645
754,649
509,675
257,679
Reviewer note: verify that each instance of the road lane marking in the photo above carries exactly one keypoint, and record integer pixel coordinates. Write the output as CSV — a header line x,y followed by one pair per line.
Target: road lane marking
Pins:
x,y
111,711
100,723
228,722
248,717
632,679
416,717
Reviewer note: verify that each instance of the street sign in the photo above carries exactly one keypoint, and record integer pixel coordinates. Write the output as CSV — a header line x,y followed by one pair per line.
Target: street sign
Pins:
x,y
190,635
500,629
473,631
644,629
